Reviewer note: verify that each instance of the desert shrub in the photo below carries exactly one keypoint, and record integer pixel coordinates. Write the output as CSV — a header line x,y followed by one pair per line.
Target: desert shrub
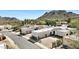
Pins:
x,y
59,42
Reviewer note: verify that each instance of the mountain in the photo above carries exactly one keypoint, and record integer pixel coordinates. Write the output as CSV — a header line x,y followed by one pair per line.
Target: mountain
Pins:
x,y
58,15
8,20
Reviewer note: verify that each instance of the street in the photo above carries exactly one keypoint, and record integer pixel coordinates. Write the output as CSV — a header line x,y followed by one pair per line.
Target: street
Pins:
x,y
20,41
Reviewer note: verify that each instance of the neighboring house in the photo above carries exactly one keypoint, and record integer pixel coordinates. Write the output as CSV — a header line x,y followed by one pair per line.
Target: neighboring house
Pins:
x,y
62,32
5,27
25,30
1,27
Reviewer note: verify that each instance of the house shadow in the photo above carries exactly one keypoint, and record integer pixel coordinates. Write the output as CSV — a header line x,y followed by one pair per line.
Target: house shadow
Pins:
x,y
34,40
66,47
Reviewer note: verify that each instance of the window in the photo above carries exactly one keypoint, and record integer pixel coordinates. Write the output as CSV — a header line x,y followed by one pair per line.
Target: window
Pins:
x,y
66,34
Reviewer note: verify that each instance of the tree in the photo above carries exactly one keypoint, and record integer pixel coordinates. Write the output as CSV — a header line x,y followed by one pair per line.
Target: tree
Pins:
x,y
69,20
50,22
59,42
42,22
21,23
25,21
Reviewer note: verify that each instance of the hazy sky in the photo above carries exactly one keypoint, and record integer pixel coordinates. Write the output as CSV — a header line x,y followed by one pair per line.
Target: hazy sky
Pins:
x,y
26,14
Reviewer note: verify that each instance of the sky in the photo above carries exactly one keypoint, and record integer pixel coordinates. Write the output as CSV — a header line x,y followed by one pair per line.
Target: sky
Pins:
x,y
27,14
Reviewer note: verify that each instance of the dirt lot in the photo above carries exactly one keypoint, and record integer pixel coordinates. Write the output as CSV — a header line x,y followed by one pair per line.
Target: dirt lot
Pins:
x,y
48,41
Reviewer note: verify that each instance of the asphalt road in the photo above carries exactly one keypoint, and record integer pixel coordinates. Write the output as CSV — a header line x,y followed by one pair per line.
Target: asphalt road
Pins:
x,y
20,41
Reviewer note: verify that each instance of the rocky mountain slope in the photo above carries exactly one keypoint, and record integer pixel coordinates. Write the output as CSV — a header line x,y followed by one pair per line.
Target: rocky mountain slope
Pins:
x,y
58,15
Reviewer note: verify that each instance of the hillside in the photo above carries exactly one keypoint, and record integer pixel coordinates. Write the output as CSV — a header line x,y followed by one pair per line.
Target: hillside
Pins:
x,y
58,15
7,20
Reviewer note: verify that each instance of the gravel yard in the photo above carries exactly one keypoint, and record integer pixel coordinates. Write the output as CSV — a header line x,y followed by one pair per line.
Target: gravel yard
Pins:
x,y
48,41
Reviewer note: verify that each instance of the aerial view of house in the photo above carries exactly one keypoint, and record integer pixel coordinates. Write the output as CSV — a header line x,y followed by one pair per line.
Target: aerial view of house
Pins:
x,y
39,29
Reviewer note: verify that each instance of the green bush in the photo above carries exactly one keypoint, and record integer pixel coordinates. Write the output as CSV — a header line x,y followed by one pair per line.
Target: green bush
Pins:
x,y
59,42
50,22
75,44
74,23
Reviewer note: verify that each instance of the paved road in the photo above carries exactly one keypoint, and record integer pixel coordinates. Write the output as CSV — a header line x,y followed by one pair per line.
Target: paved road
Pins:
x,y
20,41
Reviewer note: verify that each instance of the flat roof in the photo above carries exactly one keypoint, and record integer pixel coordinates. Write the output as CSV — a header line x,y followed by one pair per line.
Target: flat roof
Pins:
x,y
42,30
63,30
